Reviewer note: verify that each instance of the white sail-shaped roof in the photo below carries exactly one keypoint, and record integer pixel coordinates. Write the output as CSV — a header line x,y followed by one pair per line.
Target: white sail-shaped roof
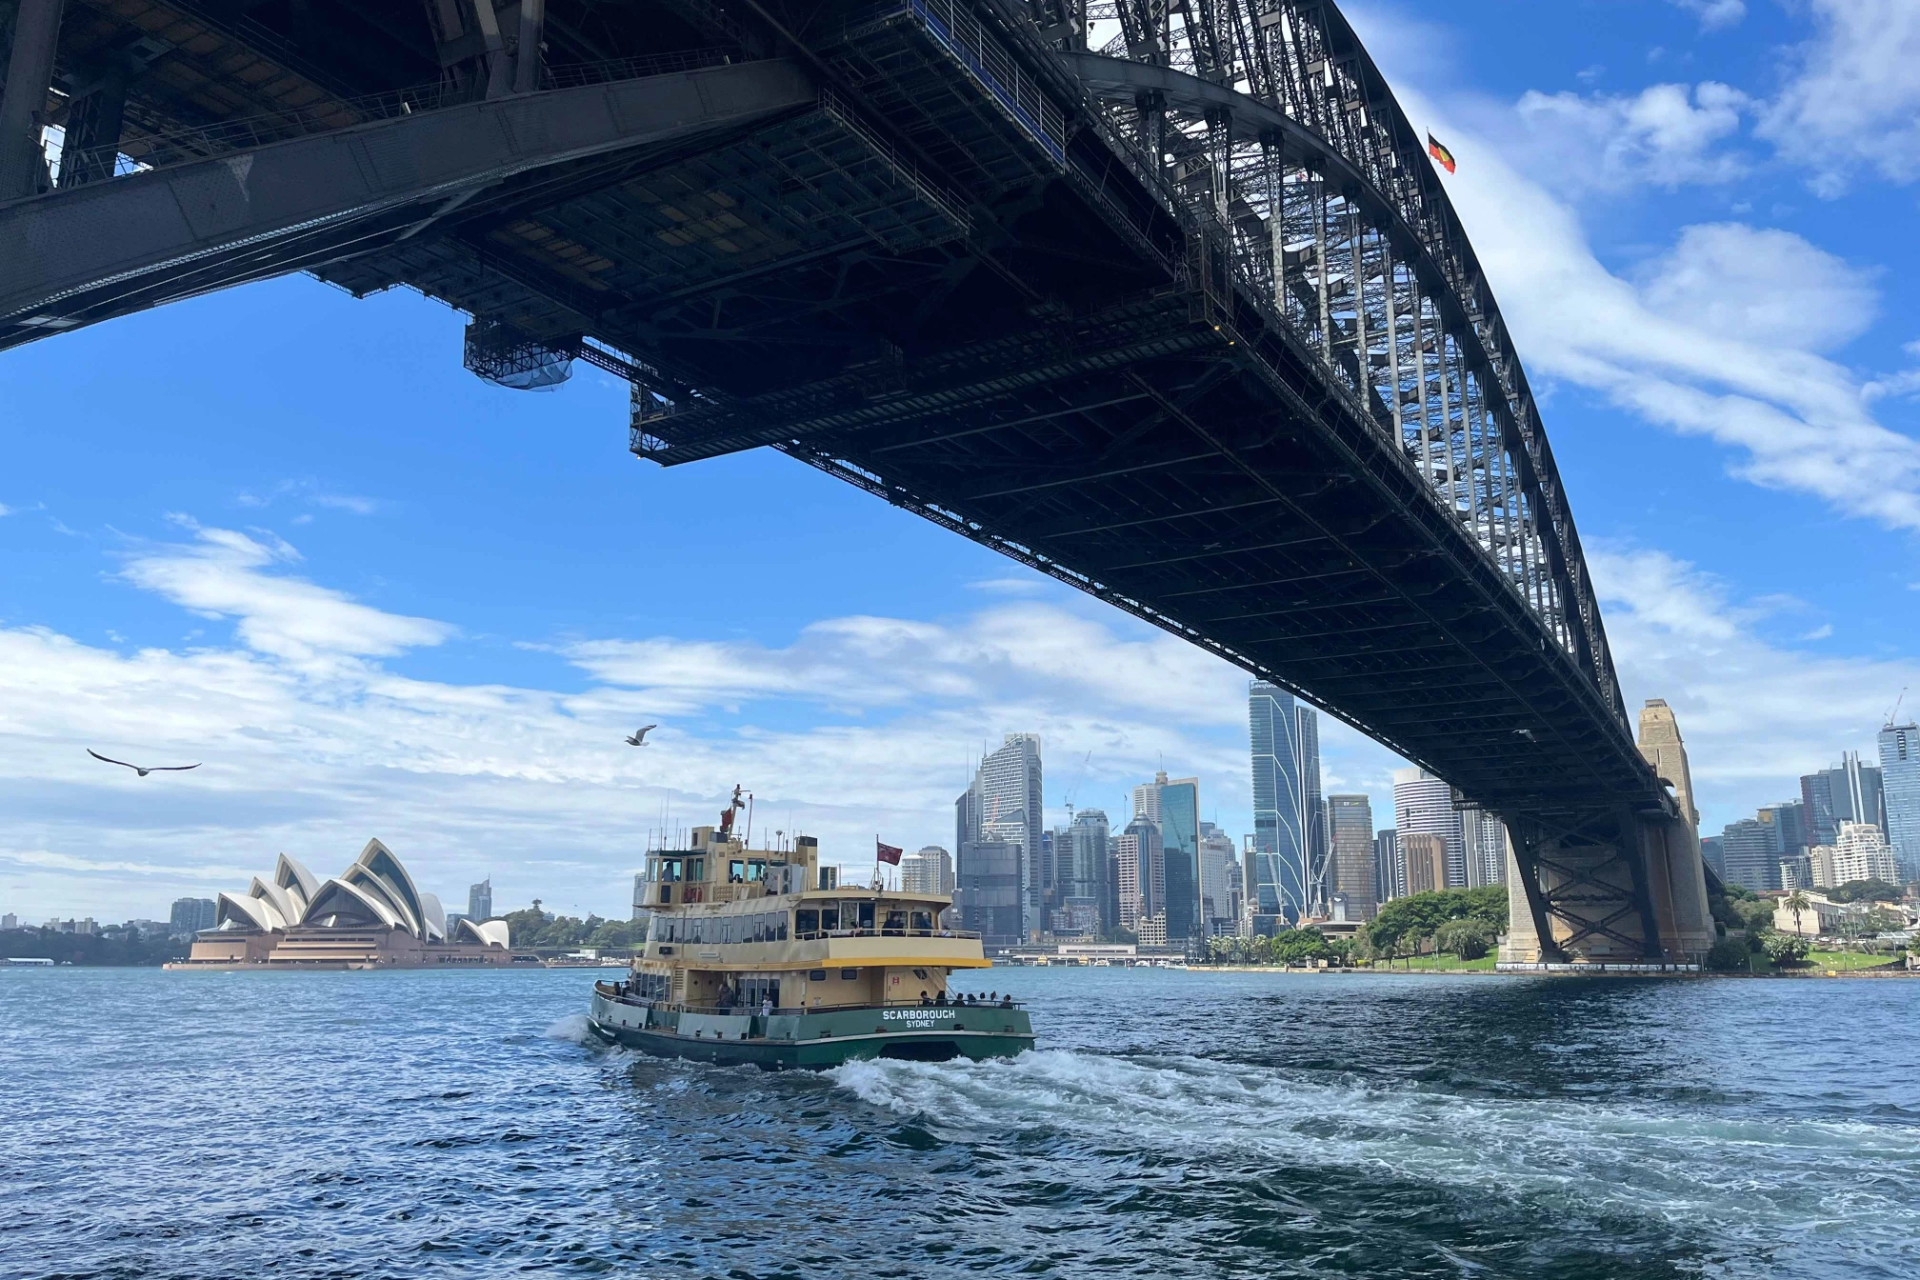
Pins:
x,y
339,903
399,886
433,916
376,887
487,933
247,913
300,883
285,905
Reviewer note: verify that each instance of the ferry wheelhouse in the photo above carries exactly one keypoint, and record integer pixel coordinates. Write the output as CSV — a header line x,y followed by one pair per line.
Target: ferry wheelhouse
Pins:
x,y
761,956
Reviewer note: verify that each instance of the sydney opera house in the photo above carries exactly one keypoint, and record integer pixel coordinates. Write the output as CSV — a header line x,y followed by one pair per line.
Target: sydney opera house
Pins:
x,y
371,916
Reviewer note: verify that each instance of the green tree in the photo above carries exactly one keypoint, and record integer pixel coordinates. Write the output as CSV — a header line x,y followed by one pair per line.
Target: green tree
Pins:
x,y
1864,891
1786,948
1469,938
1798,903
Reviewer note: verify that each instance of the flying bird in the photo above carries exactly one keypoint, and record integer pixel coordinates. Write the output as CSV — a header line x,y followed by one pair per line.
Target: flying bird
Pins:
x,y
640,739
152,768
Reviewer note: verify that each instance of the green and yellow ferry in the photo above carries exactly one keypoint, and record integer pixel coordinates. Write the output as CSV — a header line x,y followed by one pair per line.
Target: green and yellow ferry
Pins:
x,y
760,956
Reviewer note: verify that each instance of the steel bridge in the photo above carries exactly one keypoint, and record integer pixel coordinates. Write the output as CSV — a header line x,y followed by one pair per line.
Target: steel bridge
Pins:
x,y
1183,317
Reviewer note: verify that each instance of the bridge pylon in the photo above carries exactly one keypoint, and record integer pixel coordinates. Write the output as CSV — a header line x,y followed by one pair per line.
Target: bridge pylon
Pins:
x,y
1626,889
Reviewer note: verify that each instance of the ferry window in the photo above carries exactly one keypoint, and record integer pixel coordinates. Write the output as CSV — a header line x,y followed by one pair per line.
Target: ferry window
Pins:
x,y
816,975
780,928
736,871
920,974
806,920
696,868
896,922
670,869
666,893
829,918
756,870
848,975
866,915
923,922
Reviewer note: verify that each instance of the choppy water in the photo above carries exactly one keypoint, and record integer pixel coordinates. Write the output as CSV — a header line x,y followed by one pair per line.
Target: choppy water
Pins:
x,y
1174,1125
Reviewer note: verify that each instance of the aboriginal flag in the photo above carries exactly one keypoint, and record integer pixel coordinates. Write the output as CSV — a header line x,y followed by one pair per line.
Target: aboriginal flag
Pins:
x,y
1440,153
886,853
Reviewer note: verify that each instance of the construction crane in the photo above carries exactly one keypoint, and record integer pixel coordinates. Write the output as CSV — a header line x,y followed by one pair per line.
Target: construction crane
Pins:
x,y
1895,712
1074,790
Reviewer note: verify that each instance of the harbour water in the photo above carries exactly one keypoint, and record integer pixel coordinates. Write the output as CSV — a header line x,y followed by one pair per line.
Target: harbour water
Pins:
x,y
1173,1125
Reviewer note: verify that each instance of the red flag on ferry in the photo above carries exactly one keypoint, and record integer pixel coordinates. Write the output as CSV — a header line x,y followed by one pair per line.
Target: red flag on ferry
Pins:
x,y
1440,153
886,853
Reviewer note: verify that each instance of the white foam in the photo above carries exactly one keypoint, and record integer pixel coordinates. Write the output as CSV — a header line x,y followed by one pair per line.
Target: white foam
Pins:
x,y
1667,1162
573,1027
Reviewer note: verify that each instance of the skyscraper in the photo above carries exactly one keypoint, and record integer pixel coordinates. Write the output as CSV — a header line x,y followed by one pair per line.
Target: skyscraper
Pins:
x,y
1711,850
930,870
1389,872
1484,837
1862,854
1180,855
1423,805
1425,856
1900,794
1218,869
1083,869
1350,832
1747,850
1847,792
1287,881
191,915
1002,807
480,900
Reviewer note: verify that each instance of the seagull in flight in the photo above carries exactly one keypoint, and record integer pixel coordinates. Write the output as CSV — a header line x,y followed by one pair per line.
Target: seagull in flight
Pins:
x,y
153,768
640,739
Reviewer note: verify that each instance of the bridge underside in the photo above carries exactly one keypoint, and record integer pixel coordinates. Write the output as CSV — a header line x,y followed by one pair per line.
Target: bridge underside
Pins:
x,y
896,256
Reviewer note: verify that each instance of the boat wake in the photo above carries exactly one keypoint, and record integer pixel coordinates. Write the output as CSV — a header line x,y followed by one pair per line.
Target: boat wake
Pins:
x,y
1764,1182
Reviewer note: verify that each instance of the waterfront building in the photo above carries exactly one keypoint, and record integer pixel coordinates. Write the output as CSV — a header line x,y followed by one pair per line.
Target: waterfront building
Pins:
x,y
1484,837
1425,857
1847,792
1153,930
1752,861
1179,825
1817,915
371,916
1083,866
1350,833
1660,743
1862,853
1389,871
1126,881
1286,875
1423,805
190,915
1900,795
9,921
1219,876
1003,807
480,900
1786,827
989,891
930,870
1711,849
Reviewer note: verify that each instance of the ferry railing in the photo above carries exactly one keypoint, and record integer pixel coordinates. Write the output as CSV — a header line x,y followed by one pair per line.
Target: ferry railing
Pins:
x,y
753,1011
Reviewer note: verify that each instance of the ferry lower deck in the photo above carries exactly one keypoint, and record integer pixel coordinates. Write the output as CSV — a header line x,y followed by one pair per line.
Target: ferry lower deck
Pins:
x,y
810,1037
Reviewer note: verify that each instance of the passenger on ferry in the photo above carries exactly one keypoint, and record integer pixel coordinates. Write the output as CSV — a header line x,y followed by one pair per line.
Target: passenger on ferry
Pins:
x,y
1007,1001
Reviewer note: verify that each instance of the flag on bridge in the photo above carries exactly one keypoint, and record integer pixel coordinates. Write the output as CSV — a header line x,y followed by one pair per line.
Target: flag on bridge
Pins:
x,y
885,853
1440,153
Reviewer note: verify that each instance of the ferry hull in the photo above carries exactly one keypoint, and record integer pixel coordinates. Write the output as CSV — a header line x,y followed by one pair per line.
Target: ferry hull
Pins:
x,y
815,1040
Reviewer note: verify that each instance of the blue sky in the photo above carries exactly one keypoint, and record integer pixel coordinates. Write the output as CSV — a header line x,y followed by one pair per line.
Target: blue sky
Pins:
x,y
283,531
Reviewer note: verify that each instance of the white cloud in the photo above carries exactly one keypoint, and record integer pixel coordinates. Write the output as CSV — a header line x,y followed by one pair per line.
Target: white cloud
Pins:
x,y
1697,345
1756,714
224,575
859,724
1854,100
1665,135
1765,287
310,492
1715,15
5,510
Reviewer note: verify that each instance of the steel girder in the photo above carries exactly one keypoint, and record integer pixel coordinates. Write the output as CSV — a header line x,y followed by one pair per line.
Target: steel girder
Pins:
x,y
88,253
